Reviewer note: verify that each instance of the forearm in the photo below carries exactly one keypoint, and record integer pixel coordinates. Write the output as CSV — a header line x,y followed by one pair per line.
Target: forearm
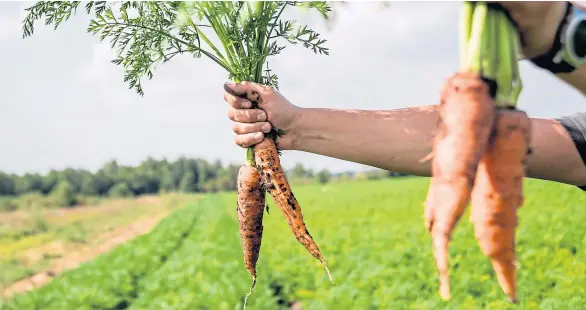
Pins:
x,y
397,140
394,140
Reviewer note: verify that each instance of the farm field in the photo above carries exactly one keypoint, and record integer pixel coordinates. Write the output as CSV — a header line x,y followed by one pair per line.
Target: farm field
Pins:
x,y
372,235
36,244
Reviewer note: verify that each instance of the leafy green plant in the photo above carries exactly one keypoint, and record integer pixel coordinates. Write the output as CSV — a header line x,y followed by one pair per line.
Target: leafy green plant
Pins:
x,y
121,189
148,34
64,194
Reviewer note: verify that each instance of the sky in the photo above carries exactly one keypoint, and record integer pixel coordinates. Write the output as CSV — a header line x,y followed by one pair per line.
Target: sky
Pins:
x,y
64,104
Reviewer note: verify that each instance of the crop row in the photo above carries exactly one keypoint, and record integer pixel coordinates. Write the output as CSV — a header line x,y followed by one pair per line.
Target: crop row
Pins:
x,y
112,280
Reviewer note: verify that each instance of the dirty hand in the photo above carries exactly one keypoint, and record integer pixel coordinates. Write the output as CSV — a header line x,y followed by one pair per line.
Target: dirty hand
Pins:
x,y
251,125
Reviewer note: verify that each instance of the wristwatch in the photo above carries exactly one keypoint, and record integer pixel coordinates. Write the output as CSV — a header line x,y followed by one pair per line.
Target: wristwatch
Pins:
x,y
568,50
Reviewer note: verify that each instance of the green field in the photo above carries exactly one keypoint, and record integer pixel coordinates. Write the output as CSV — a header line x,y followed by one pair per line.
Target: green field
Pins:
x,y
35,240
371,233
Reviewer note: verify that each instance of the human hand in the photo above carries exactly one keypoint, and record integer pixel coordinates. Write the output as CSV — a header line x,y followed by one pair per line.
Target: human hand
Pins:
x,y
537,22
251,125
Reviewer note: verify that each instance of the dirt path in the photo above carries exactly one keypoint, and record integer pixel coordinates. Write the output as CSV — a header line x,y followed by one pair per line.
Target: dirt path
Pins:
x,y
105,242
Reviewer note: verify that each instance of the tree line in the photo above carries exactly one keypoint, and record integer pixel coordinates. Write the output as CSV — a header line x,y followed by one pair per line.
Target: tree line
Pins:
x,y
149,177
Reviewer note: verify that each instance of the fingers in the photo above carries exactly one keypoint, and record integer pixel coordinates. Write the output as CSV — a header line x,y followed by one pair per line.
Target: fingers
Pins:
x,y
244,89
250,125
250,134
246,115
243,128
249,139
237,102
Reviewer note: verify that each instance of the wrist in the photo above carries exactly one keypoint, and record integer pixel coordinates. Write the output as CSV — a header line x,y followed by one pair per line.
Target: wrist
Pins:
x,y
306,129
291,139
545,42
564,53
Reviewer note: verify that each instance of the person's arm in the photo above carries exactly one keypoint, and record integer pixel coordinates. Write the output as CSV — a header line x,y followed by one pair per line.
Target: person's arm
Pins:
x,y
397,140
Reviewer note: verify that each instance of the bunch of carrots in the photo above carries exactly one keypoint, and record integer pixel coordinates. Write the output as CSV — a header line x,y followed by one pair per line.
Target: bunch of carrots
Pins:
x,y
254,178
262,171
481,146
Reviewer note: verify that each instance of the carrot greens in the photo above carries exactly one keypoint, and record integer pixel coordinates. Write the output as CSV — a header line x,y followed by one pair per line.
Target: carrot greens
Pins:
x,y
490,46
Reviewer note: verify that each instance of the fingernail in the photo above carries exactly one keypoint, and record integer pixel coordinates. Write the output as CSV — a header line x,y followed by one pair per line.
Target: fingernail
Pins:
x,y
265,128
257,136
247,104
261,116
231,84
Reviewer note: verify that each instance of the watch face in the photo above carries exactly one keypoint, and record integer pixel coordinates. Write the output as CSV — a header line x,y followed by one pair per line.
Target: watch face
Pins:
x,y
579,39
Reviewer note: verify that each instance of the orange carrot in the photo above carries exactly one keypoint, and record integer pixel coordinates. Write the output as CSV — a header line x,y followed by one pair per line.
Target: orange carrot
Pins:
x,y
466,117
250,208
267,159
498,194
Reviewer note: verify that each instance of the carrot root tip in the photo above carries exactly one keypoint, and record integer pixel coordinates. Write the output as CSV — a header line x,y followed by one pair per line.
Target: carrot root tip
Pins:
x,y
250,291
445,296
445,293
323,262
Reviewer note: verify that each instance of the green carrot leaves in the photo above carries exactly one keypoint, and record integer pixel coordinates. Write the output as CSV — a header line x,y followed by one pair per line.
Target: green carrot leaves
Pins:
x,y
239,36
489,45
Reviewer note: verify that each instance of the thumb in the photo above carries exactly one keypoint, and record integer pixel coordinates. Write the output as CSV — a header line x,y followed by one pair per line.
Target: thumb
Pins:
x,y
247,90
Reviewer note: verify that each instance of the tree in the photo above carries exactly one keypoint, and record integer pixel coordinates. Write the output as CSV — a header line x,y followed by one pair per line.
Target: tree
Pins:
x,y
323,176
144,183
6,184
298,172
50,181
102,183
64,194
111,169
120,190
29,183
166,179
188,183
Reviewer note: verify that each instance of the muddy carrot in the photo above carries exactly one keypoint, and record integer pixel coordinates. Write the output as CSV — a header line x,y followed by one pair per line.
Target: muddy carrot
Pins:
x,y
466,116
267,159
250,208
498,194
